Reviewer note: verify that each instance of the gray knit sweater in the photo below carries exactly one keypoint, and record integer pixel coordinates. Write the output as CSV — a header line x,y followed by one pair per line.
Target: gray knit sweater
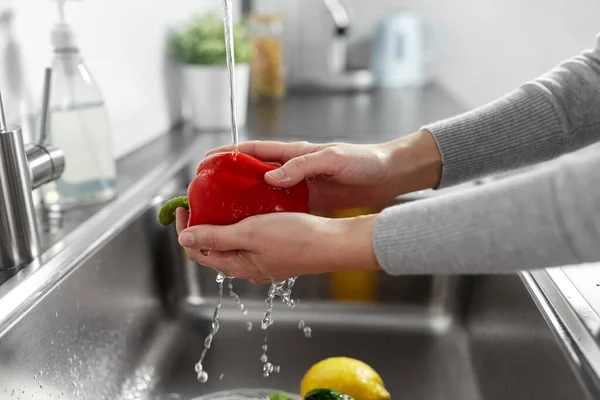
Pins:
x,y
548,216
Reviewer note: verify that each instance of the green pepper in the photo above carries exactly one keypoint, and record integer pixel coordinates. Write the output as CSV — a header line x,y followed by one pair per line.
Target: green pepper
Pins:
x,y
326,394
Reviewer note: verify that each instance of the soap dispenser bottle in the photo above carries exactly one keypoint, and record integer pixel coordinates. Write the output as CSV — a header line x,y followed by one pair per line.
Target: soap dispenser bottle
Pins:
x,y
79,124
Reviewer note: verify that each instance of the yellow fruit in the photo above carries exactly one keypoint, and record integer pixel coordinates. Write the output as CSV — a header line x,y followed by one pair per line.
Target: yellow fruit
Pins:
x,y
346,375
354,286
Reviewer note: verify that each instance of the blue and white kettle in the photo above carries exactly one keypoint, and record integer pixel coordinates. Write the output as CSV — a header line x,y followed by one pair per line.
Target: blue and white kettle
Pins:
x,y
402,50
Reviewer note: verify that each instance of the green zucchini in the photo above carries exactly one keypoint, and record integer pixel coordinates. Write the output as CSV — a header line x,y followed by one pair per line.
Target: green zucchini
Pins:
x,y
326,394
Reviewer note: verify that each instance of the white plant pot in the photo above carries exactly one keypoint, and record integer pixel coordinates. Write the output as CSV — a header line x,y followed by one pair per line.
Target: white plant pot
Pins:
x,y
206,89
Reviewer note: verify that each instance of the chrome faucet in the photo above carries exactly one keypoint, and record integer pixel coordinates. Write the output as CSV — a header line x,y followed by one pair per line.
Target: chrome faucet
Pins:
x,y
337,75
22,169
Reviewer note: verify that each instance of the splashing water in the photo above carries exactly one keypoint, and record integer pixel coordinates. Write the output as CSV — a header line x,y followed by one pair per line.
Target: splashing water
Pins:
x,y
307,332
203,375
305,329
239,303
235,297
284,291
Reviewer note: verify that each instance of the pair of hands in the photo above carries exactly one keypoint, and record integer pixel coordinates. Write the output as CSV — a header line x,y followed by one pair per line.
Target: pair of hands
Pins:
x,y
278,246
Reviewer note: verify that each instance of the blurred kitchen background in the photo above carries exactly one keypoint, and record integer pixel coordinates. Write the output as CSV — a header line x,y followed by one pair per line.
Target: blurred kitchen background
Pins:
x,y
483,48
112,286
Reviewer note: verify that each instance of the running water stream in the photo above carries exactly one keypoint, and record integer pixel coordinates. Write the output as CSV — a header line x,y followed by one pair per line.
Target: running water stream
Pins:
x,y
282,289
228,24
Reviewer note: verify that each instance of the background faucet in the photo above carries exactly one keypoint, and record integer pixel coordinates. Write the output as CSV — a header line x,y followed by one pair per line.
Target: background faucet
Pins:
x,y
339,48
337,76
22,169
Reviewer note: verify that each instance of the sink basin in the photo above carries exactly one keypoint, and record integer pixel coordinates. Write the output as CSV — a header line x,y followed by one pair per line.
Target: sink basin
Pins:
x,y
115,311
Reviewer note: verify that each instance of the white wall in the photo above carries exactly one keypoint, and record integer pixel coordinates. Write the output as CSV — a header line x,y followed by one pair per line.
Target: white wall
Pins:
x,y
488,46
123,44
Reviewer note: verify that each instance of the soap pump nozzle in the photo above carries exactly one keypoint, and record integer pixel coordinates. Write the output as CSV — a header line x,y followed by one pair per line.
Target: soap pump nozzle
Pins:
x,y
63,37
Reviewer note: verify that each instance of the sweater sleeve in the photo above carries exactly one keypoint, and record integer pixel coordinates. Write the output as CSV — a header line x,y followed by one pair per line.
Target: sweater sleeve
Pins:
x,y
554,114
543,218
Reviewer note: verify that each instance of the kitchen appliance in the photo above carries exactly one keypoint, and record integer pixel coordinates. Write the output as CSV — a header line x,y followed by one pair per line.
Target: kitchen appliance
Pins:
x,y
402,50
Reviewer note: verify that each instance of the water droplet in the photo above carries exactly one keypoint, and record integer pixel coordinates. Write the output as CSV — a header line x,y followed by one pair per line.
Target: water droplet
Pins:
x,y
51,341
307,332
248,326
56,313
221,377
41,373
264,358
301,324
237,299
208,341
202,377
267,369
265,347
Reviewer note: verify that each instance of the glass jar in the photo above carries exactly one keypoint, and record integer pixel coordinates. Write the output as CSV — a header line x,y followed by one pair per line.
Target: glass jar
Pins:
x,y
267,67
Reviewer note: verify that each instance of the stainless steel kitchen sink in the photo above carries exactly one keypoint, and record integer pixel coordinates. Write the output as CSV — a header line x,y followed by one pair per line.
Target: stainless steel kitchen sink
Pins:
x,y
114,311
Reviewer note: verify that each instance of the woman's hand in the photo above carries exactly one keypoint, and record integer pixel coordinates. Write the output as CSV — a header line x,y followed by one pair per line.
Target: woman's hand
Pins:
x,y
274,247
344,175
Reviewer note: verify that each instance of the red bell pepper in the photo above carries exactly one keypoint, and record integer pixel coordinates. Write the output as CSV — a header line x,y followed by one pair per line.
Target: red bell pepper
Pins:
x,y
229,187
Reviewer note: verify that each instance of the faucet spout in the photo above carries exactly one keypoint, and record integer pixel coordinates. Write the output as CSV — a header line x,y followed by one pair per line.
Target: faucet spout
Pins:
x,y
22,169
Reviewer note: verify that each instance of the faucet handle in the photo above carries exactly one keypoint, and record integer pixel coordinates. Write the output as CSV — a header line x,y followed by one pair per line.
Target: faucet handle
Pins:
x,y
46,162
45,106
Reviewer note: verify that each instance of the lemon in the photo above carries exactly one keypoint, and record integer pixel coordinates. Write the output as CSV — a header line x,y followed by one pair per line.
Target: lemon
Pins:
x,y
345,375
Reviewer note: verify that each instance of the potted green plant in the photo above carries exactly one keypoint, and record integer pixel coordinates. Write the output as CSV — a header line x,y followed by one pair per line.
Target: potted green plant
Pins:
x,y
200,48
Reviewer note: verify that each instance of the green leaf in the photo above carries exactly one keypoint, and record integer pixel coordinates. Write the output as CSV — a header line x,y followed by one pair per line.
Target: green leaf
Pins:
x,y
278,396
202,42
